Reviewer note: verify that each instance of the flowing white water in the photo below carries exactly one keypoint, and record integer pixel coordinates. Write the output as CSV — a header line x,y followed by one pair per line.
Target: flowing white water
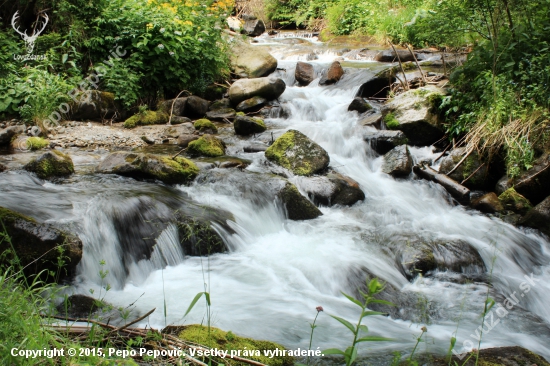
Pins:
x,y
278,271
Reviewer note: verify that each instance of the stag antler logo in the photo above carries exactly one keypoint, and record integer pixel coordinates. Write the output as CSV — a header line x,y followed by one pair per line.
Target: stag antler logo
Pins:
x,y
29,40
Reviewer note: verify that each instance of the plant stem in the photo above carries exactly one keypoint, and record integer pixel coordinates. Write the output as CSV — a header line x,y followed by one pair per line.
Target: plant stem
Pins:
x,y
311,335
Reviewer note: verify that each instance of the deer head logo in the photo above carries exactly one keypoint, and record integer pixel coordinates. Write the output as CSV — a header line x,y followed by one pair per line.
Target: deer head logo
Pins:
x,y
29,40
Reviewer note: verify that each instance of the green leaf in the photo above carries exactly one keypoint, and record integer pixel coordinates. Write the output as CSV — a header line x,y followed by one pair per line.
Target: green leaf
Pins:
x,y
64,58
364,328
197,297
353,356
333,351
345,322
373,339
371,313
384,302
356,302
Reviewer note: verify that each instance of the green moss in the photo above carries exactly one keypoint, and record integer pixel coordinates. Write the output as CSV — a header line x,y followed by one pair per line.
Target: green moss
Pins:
x,y
146,118
514,201
219,339
51,164
391,122
276,152
7,215
259,121
206,146
241,114
205,124
181,168
37,143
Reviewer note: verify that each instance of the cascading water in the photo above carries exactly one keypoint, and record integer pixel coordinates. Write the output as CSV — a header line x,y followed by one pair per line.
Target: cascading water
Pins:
x,y
277,271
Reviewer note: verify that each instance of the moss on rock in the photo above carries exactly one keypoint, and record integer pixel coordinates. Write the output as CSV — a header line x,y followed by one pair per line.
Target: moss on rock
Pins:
x,y
513,201
204,124
297,153
147,118
37,143
217,338
297,206
207,145
51,164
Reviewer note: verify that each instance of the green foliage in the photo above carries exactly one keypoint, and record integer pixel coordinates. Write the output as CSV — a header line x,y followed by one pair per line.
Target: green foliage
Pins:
x,y
37,143
391,122
299,12
350,354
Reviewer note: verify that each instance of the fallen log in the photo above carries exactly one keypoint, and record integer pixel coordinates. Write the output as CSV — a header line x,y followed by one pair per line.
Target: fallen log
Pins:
x,y
458,191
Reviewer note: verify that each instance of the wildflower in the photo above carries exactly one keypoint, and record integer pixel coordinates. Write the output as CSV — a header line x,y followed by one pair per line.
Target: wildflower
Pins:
x,y
162,30
424,329
161,46
149,26
319,309
171,53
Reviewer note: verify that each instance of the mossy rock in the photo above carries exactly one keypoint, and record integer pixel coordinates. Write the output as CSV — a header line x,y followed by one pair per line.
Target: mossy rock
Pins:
x,y
222,340
472,169
248,125
297,153
502,356
37,143
204,124
513,201
207,145
147,118
51,164
35,245
199,238
149,166
297,206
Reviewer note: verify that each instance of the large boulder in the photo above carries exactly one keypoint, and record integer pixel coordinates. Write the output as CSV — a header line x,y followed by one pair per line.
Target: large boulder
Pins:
x,y
268,88
196,107
253,104
394,56
534,184
35,244
94,105
539,217
488,203
334,189
204,125
207,145
513,201
51,164
199,237
472,165
176,106
502,356
185,139
149,166
253,27
412,112
359,105
7,134
333,75
251,62
383,141
379,86
304,73
248,125
297,206
398,162
147,118
235,24
297,153
221,114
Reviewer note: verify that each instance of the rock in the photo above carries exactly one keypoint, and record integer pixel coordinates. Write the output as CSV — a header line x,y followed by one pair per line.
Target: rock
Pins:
x,y
359,105
539,217
51,164
248,125
184,140
297,153
34,244
488,203
379,86
207,145
251,62
297,206
472,165
458,191
383,141
220,104
513,201
534,184
333,75
147,118
149,166
254,148
178,107
196,107
177,120
373,120
178,130
502,185
204,125
235,24
304,73
398,162
268,88
214,92
502,356
411,112
148,140
199,237
334,189
221,114
7,134
253,104
93,105
392,56
80,307
253,27
3,168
